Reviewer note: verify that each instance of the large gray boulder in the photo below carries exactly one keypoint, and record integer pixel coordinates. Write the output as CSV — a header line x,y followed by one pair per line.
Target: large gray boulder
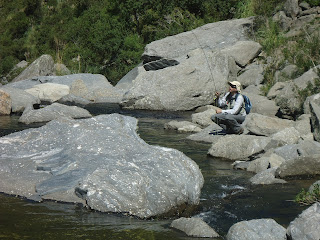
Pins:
x,y
262,229
307,225
20,99
43,66
302,149
186,86
266,177
49,92
288,135
301,166
300,159
188,68
194,227
216,35
238,147
266,126
51,112
101,161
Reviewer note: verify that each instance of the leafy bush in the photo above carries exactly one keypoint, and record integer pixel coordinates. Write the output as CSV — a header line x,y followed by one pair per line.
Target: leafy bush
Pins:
x,y
308,198
310,90
305,53
313,3
247,8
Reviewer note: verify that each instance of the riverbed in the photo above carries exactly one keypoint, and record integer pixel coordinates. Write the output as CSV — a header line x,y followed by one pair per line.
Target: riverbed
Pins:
x,y
226,198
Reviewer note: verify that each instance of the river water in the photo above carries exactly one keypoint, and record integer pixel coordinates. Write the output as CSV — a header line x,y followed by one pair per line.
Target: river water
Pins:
x,y
226,198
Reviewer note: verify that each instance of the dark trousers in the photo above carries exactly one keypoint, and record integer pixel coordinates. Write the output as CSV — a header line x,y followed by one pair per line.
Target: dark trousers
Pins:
x,y
229,122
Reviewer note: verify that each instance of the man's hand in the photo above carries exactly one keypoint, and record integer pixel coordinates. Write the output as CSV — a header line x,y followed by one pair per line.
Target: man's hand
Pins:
x,y
217,94
218,110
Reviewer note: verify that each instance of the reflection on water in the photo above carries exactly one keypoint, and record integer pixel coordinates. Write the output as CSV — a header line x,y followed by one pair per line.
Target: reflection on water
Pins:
x,y
227,197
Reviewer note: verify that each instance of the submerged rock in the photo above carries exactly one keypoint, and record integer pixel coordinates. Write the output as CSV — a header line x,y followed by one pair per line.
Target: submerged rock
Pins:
x,y
101,161
182,126
51,112
194,227
266,177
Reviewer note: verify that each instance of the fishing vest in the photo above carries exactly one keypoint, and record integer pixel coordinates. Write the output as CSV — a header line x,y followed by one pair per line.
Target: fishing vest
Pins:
x,y
231,100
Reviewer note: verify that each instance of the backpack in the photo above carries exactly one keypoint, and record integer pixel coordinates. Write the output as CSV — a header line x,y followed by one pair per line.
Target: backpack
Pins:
x,y
247,103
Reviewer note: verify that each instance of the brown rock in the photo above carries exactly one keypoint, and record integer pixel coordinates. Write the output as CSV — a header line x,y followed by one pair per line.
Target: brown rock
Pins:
x,y
5,103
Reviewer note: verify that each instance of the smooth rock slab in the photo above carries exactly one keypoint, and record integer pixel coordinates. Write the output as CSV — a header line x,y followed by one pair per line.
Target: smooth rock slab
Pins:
x,y
50,92
100,160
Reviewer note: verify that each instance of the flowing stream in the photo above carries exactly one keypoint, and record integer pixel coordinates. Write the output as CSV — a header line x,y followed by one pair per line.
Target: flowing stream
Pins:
x,y
226,198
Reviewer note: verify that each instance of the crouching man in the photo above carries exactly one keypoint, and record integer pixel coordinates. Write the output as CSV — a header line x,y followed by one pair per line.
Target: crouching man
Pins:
x,y
231,112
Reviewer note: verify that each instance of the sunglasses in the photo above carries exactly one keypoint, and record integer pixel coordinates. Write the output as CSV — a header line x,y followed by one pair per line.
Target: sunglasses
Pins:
x,y
233,86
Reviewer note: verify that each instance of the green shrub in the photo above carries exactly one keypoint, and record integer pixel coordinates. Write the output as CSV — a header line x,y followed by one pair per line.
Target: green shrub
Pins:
x,y
306,53
310,90
266,8
313,3
308,198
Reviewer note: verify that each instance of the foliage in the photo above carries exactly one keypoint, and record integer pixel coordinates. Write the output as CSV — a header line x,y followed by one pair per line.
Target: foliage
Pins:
x,y
270,36
305,53
307,197
310,90
313,3
247,8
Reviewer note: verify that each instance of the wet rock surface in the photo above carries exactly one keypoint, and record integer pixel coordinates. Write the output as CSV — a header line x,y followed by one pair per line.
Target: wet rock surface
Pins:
x,y
99,161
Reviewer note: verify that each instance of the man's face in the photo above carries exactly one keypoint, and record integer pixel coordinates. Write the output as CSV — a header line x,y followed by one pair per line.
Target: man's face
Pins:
x,y
232,89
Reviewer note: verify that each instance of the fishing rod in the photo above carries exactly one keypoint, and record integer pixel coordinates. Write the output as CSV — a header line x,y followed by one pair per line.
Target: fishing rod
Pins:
x,y
210,70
